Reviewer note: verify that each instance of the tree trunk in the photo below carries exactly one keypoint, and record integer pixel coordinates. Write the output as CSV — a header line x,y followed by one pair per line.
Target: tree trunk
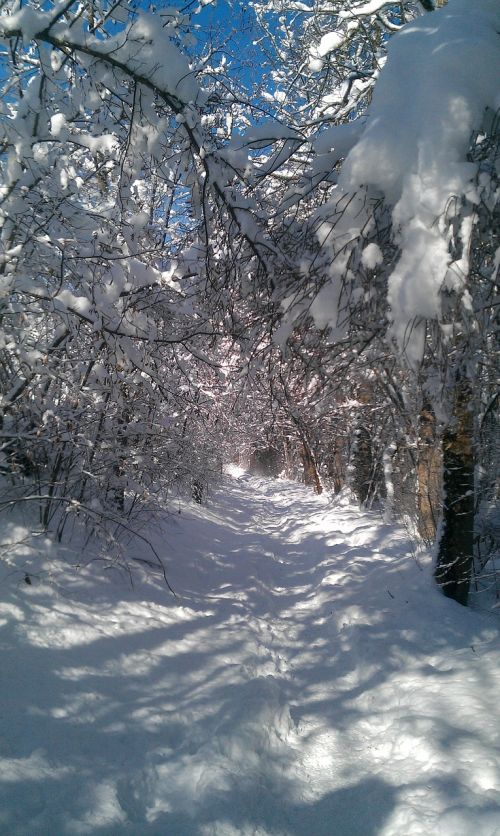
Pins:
x,y
428,475
335,467
288,457
456,547
123,419
311,475
362,461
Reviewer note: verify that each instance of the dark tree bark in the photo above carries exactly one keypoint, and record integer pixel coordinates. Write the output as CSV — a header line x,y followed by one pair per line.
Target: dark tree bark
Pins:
x,y
197,491
363,466
456,547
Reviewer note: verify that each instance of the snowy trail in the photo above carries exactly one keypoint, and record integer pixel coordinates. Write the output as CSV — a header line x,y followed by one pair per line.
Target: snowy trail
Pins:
x,y
308,680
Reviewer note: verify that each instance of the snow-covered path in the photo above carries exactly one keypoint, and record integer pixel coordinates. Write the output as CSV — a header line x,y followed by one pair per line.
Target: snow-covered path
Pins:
x,y
309,680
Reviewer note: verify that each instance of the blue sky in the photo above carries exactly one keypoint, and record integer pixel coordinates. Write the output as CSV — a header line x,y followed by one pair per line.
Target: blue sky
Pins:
x,y
234,20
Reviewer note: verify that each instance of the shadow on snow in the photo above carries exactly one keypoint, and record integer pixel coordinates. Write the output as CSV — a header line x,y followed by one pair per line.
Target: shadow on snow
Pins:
x,y
270,699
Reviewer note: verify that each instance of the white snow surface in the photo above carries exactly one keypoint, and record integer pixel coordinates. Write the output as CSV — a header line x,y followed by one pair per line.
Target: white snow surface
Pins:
x,y
308,679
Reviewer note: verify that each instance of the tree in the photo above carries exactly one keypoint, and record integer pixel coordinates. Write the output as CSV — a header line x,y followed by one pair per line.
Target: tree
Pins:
x,y
312,256
414,196
110,195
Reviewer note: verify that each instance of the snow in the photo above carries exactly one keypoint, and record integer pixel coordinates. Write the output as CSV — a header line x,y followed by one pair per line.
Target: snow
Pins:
x,y
28,20
308,678
143,48
58,125
329,42
149,51
371,256
362,9
441,74
103,144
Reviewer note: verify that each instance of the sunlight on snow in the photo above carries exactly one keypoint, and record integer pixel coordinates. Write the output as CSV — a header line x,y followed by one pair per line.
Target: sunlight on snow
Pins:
x,y
293,684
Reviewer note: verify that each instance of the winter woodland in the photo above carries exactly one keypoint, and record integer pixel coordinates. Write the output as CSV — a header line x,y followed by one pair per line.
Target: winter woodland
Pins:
x,y
249,443
264,233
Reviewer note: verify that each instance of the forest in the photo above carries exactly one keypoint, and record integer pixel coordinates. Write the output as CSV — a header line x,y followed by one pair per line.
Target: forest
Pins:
x,y
263,233
249,442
